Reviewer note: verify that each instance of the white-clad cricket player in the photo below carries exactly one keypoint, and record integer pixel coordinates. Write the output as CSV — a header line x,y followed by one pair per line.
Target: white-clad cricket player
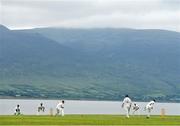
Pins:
x,y
149,107
135,108
127,105
17,110
60,108
41,109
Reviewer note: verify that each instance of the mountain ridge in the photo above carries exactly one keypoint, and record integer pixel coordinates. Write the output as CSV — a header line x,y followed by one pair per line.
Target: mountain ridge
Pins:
x,y
100,64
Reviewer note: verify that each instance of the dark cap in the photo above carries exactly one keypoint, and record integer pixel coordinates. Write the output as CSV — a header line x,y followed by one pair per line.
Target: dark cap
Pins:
x,y
127,96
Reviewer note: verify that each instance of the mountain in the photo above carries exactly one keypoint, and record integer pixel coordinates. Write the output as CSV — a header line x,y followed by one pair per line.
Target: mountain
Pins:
x,y
101,64
3,28
31,64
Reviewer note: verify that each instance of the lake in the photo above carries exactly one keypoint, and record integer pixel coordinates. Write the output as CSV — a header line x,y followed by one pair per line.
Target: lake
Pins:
x,y
29,107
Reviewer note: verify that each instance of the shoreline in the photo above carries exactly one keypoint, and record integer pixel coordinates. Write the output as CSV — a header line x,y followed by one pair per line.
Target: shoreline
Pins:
x,y
95,100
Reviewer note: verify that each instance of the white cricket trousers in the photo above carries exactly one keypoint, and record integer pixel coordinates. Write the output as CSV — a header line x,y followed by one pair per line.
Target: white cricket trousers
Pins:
x,y
127,109
148,112
60,112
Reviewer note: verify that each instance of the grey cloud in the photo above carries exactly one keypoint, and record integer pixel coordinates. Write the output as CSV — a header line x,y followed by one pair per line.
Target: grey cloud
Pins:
x,y
161,14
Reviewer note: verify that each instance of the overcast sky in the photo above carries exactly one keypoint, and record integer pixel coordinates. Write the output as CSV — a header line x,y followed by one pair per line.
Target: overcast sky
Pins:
x,y
140,14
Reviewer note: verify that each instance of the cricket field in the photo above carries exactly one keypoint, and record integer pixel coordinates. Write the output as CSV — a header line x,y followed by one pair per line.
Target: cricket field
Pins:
x,y
88,120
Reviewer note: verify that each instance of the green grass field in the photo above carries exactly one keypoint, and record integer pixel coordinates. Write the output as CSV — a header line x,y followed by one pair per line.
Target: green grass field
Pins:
x,y
87,120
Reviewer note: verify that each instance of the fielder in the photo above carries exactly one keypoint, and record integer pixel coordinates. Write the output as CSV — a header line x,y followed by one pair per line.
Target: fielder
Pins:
x,y
149,107
60,108
127,105
41,108
135,108
17,110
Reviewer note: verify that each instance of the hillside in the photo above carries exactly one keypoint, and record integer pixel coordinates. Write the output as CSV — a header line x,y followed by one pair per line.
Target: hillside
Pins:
x,y
101,64
31,64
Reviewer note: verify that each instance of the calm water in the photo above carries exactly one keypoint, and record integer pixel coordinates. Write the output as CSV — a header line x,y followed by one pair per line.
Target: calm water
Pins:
x,y
29,107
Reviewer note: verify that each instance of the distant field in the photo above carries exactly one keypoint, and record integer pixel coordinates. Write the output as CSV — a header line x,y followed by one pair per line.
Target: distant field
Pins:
x,y
87,120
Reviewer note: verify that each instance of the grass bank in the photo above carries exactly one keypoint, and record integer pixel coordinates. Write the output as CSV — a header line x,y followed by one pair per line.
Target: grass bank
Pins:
x,y
87,120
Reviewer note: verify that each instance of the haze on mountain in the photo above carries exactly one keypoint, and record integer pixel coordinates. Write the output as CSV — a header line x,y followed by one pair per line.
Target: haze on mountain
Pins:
x,y
97,63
